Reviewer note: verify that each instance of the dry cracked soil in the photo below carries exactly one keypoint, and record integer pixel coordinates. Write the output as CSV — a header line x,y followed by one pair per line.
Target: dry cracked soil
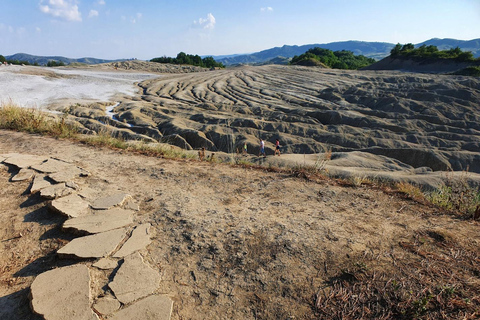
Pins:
x,y
238,243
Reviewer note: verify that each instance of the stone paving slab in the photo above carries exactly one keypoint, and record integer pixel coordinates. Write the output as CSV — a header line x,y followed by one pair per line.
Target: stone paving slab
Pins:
x,y
24,160
110,201
156,307
134,279
65,175
105,264
24,174
53,165
140,239
39,182
107,305
72,206
56,191
63,293
101,221
95,246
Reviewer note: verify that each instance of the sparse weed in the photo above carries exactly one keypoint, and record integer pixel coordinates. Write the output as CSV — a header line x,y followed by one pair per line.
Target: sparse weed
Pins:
x,y
410,190
456,194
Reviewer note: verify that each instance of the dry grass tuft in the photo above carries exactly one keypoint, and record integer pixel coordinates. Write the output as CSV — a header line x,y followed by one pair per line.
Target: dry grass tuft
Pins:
x,y
413,192
31,120
428,279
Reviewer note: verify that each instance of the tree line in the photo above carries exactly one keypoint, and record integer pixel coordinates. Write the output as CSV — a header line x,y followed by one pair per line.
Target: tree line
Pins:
x,y
51,63
343,59
431,52
190,59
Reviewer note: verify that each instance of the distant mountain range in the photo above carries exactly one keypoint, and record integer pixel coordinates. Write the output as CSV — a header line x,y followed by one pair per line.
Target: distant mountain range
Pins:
x,y
41,60
281,55
376,50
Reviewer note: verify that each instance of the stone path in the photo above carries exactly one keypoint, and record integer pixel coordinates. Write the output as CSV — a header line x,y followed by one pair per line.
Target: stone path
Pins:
x,y
109,235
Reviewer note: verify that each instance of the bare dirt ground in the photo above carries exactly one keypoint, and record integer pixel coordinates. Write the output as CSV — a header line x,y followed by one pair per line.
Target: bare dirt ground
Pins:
x,y
240,243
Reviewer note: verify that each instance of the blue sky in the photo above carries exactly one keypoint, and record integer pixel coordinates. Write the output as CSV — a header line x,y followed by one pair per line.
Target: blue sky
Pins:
x,y
144,29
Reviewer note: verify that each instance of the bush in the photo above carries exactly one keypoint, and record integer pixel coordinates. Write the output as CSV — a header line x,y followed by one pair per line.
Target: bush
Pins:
x,y
194,60
336,60
457,195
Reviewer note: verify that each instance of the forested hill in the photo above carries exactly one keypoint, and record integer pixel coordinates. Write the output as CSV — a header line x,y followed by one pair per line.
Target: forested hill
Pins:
x,y
43,60
376,50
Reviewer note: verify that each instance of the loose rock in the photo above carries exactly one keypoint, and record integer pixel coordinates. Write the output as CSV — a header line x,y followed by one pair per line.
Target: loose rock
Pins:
x,y
140,239
63,293
155,307
64,176
24,160
24,174
134,280
105,264
110,201
53,165
100,221
71,206
107,305
56,191
95,246
39,182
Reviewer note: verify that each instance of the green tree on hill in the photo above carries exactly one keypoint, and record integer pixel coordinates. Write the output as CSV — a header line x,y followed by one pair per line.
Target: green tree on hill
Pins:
x,y
337,60
2,59
430,52
189,59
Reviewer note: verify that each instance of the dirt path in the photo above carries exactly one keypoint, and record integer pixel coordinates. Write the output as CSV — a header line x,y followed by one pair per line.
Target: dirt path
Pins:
x,y
229,242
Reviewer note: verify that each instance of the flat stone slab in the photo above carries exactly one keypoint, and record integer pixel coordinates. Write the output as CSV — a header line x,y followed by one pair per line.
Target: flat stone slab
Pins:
x,y
105,264
140,239
110,201
56,191
156,307
71,206
106,305
95,246
63,293
39,182
53,165
101,221
24,174
134,280
65,175
24,160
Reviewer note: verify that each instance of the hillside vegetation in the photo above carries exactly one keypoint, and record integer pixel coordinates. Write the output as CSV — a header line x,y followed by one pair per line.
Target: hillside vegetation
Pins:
x,y
431,52
328,58
190,59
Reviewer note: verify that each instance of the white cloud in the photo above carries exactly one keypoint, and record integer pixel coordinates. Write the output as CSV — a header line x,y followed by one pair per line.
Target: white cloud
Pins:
x,y
65,9
133,20
38,30
93,13
139,15
101,2
207,23
266,9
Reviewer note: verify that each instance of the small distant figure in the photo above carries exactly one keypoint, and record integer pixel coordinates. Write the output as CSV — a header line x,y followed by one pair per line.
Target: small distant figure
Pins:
x,y
201,154
277,148
245,149
262,149
212,157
